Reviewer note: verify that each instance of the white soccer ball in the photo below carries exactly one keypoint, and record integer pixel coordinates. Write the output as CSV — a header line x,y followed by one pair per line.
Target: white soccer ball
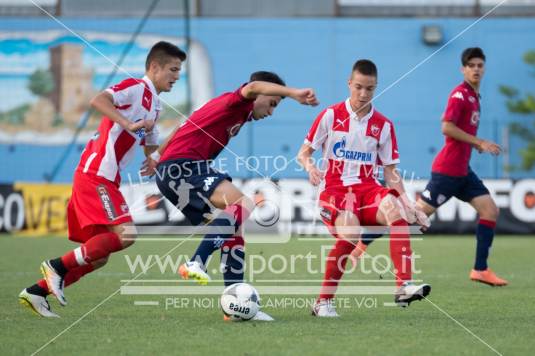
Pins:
x,y
240,302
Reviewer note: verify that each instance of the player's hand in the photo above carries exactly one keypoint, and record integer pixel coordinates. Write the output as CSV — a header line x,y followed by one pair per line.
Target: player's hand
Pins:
x,y
315,176
148,125
306,96
423,220
148,168
488,146
408,211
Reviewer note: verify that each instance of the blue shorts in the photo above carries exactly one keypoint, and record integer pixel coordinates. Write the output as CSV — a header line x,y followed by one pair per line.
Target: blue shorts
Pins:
x,y
188,185
442,187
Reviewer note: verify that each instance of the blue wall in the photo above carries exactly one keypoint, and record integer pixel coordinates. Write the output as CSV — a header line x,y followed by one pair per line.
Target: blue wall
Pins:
x,y
319,53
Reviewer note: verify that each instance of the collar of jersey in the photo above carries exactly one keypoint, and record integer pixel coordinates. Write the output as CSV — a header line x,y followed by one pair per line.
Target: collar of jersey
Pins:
x,y
149,83
353,115
471,89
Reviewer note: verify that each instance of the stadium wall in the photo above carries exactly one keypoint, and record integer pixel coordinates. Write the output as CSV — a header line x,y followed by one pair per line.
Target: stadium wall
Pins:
x,y
316,53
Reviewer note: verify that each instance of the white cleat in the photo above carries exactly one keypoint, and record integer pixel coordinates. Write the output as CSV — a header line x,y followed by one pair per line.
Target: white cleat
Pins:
x,y
325,309
409,292
37,304
193,270
261,316
54,281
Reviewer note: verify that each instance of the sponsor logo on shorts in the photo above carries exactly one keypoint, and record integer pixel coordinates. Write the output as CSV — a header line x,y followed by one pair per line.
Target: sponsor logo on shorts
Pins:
x,y
106,202
208,182
441,199
326,214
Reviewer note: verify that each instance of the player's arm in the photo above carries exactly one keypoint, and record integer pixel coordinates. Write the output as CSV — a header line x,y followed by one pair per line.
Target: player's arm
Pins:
x,y
103,103
451,130
304,157
304,96
148,168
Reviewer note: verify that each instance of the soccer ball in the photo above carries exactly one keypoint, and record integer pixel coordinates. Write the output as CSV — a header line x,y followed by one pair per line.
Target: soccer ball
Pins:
x,y
240,302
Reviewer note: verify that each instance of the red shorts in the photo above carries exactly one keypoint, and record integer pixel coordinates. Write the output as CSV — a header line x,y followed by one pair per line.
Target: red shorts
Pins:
x,y
95,203
361,199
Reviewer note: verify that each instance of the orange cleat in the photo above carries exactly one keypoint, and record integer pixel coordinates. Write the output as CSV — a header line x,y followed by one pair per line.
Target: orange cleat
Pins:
x,y
488,277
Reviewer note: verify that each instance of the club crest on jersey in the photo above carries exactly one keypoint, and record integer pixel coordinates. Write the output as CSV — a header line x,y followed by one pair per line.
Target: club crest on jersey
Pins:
x,y
471,99
339,150
233,130
375,130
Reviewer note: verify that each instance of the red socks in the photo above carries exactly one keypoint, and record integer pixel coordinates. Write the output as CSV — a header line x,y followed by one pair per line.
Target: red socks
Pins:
x,y
400,251
335,267
97,247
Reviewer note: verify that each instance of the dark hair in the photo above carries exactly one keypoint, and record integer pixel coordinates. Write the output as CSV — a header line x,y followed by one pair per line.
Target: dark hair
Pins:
x,y
266,77
366,67
472,52
162,52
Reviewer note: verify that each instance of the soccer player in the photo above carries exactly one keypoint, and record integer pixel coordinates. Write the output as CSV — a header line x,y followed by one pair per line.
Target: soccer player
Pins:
x,y
97,213
451,175
185,158
356,139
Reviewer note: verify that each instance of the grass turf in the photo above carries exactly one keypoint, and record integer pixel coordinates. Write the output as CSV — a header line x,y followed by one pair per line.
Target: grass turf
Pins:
x,y
501,317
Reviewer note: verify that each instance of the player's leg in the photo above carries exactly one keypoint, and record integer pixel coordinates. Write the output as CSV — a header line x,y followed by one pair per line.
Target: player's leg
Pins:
x,y
488,215
346,230
389,214
34,297
476,194
236,208
98,247
233,259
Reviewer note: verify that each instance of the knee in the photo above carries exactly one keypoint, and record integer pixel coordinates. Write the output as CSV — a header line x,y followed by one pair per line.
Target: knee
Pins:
x,y
127,240
99,263
489,212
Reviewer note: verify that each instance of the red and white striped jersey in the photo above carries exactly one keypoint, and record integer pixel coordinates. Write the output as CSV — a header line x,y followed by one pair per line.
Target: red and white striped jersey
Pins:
x,y
353,148
112,147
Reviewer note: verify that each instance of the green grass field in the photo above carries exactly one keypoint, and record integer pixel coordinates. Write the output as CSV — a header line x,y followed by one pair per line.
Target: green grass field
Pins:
x,y
502,317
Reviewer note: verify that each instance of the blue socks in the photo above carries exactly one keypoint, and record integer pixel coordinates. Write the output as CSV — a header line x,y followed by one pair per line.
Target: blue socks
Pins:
x,y
484,235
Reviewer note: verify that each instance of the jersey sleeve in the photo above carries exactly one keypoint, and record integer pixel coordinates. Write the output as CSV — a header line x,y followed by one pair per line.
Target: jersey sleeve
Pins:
x,y
124,93
236,98
454,107
319,131
388,146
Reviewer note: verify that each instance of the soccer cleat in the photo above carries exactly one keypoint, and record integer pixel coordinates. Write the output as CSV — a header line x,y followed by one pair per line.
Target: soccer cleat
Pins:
x,y
37,304
324,309
261,316
55,282
409,292
488,277
193,270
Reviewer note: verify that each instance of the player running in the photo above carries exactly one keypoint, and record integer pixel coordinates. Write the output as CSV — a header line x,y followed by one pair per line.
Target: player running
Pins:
x,y
97,213
451,175
356,139
185,160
